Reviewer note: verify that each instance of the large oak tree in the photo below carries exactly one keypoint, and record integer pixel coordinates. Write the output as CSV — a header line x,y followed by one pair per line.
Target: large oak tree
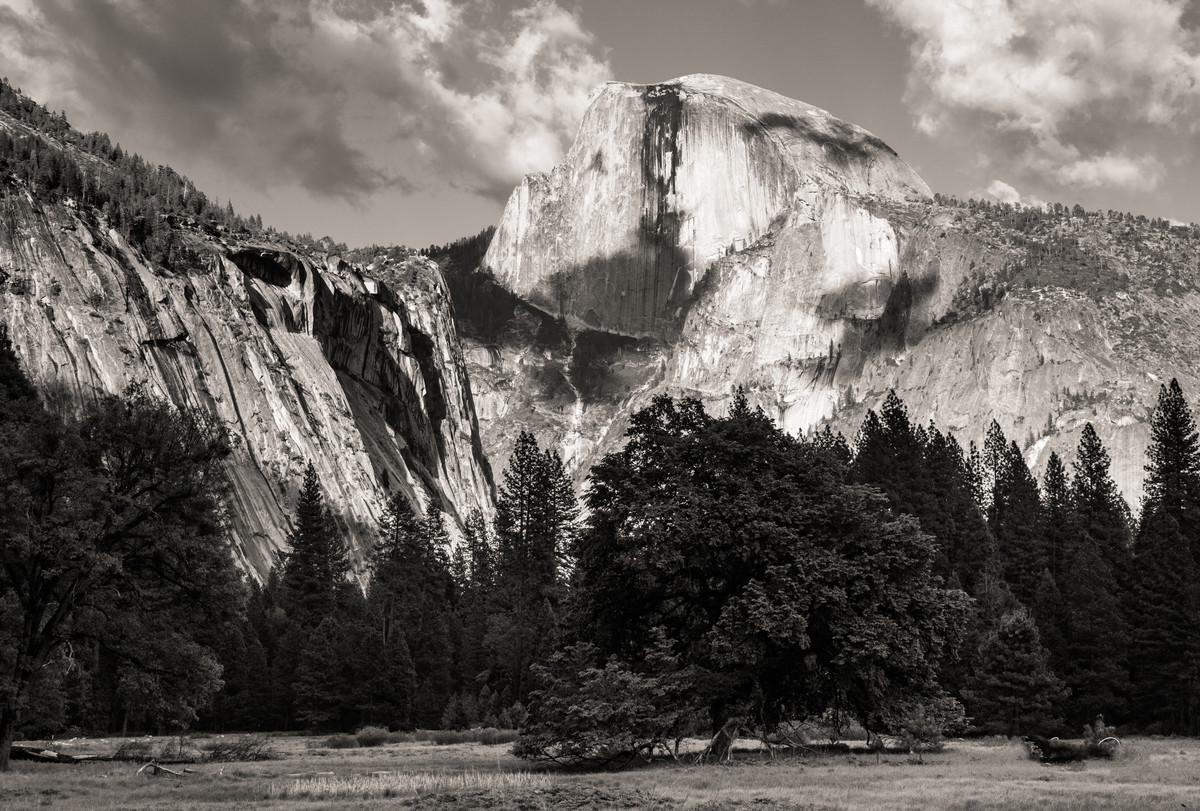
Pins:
x,y
111,537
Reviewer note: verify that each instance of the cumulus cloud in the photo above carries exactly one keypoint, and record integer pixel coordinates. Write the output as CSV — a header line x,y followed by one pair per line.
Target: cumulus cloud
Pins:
x,y
1006,193
340,97
1064,92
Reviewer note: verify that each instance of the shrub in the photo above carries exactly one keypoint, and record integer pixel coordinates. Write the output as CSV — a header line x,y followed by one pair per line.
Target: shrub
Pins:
x,y
488,736
599,716
339,741
136,749
243,750
372,736
922,724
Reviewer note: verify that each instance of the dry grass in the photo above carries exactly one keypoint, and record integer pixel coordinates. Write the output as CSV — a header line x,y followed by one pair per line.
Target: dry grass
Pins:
x,y
968,774
400,784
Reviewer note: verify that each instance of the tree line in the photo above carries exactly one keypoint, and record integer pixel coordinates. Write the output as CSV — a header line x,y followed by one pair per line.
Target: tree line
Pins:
x,y
734,580
142,201
730,579
442,637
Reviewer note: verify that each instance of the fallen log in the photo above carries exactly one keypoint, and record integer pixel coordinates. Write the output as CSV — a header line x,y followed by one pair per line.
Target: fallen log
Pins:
x,y
1053,750
41,755
155,768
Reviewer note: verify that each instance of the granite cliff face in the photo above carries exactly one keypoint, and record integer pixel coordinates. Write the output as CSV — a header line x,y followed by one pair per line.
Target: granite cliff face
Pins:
x,y
704,234
663,180
360,372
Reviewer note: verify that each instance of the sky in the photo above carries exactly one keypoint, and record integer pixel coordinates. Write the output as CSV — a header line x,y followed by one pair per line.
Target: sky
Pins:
x,y
410,122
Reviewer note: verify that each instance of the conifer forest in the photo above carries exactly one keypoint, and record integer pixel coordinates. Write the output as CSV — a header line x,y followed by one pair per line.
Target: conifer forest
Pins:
x,y
727,579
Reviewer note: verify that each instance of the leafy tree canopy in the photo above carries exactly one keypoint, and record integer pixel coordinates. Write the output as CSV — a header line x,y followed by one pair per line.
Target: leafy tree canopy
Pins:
x,y
784,590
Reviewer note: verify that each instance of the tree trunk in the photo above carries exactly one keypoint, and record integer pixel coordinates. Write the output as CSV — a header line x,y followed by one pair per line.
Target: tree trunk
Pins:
x,y
8,729
724,730
721,746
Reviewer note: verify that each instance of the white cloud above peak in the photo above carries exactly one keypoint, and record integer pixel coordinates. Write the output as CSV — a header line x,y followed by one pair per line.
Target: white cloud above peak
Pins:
x,y
1066,91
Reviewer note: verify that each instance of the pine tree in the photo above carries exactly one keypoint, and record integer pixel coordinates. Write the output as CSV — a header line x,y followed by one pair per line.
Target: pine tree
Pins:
x,y
889,455
475,577
1173,466
409,598
1165,656
316,566
15,387
1165,659
325,676
833,444
1094,648
1014,515
1049,610
1102,515
1059,515
535,518
923,474
1014,691
952,514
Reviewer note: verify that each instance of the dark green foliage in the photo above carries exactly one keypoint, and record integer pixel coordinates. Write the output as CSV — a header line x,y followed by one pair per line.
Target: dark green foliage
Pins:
x,y
462,255
371,736
785,591
16,390
474,574
1101,514
924,474
1088,634
340,741
245,699
1173,466
833,444
324,675
316,565
535,523
535,516
1058,511
1013,508
923,726
951,513
1094,639
1165,656
1014,691
604,713
410,601
111,543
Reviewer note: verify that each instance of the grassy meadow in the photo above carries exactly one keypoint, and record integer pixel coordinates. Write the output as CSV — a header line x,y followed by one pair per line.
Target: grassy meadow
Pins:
x,y
1148,773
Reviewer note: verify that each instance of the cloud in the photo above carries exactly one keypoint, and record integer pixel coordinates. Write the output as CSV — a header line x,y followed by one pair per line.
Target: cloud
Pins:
x,y
1068,92
1005,193
340,97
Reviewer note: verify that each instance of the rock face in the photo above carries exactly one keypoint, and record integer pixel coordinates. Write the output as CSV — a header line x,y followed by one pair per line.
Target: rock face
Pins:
x,y
301,359
665,179
703,234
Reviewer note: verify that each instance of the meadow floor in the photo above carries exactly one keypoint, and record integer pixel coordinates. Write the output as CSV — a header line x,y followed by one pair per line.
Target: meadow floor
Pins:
x,y
1150,773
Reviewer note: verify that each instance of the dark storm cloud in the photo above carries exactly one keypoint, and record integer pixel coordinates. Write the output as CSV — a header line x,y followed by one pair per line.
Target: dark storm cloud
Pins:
x,y
342,97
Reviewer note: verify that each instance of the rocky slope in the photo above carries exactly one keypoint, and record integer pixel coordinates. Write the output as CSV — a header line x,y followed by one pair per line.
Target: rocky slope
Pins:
x,y
703,234
303,359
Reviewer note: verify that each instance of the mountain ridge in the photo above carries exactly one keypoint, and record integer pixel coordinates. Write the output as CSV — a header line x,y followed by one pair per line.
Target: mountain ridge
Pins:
x,y
845,293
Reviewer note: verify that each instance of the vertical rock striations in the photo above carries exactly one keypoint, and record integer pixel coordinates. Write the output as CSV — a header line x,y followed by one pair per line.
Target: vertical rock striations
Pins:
x,y
302,360
665,179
